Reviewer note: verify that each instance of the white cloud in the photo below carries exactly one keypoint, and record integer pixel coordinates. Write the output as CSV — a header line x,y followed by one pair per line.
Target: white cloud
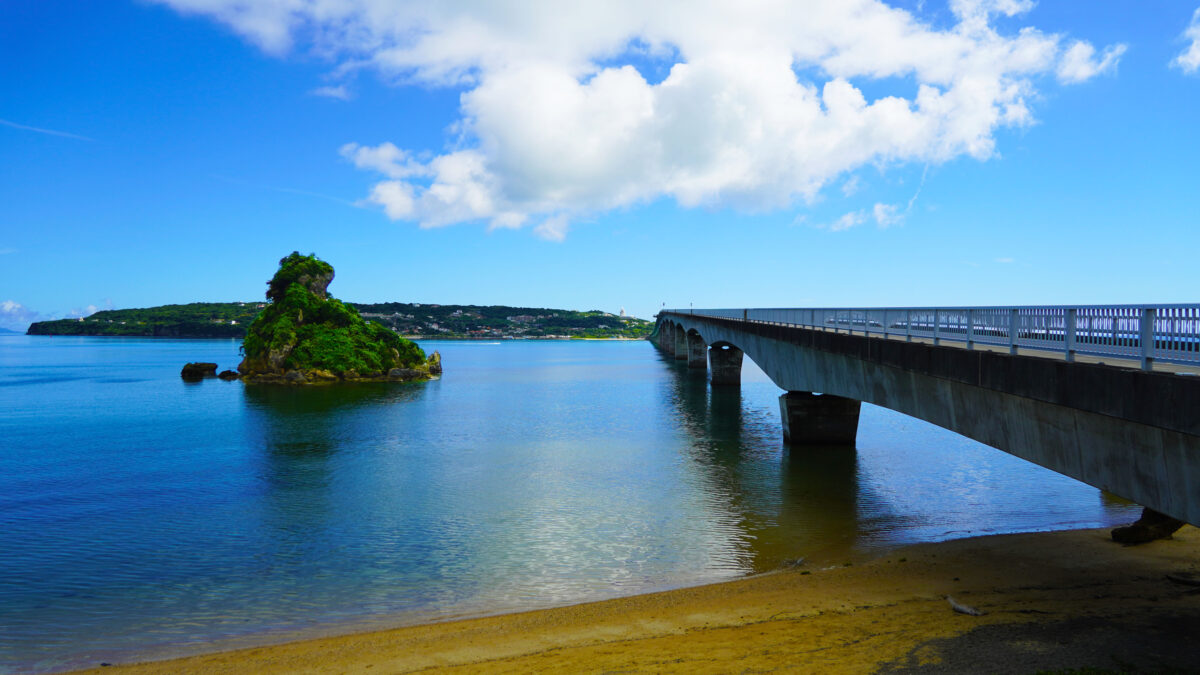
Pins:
x,y
1005,261
78,313
887,215
557,123
849,220
386,159
15,316
1189,59
553,228
851,186
1079,63
339,92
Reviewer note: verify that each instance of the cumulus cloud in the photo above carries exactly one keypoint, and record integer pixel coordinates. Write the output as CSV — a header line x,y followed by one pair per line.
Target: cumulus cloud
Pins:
x,y
386,159
1079,62
1189,59
15,316
762,105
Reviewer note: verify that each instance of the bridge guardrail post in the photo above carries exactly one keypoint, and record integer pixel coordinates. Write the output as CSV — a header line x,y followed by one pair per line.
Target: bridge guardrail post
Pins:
x,y
1012,331
970,329
1069,333
1146,337
937,324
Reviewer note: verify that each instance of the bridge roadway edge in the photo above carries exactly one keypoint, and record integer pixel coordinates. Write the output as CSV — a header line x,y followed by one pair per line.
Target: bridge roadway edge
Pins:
x,y
1126,431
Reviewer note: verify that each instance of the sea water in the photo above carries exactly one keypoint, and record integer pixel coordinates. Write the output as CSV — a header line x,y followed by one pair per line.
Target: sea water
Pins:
x,y
144,517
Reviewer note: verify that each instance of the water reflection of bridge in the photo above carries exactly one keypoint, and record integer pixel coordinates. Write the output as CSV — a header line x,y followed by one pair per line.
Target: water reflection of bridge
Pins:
x,y
799,502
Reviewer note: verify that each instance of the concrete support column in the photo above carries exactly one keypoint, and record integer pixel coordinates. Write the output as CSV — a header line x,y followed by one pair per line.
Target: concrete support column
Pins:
x,y
681,349
812,419
726,363
697,352
667,340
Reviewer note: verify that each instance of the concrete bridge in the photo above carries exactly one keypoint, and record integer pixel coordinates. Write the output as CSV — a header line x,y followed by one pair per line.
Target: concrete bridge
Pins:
x,y
1107,395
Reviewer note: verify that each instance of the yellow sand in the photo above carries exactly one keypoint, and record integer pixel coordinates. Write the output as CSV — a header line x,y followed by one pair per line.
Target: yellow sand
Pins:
x,y
1054,591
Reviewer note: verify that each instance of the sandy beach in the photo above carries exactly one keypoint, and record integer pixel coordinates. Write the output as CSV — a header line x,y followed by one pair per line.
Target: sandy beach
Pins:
x,y
1047,601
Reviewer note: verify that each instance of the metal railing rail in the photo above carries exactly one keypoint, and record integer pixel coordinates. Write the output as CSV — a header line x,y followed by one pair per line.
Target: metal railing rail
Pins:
x,y
1144,333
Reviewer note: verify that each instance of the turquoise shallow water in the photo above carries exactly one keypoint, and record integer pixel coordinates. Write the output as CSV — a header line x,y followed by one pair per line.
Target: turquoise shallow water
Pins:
x,y
142,517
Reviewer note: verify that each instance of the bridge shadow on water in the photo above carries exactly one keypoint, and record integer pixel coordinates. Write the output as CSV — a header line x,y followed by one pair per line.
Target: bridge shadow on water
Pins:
x,y
789,503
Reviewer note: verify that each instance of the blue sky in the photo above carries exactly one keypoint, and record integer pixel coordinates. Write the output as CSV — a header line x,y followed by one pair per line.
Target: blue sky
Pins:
x,y
774,154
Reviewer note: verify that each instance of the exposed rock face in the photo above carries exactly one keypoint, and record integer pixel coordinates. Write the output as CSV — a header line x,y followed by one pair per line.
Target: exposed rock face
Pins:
x,y
194,372
304,336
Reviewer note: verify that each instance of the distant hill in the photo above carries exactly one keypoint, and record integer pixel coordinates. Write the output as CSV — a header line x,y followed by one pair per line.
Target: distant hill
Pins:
x,y
198,319
6,331
229,320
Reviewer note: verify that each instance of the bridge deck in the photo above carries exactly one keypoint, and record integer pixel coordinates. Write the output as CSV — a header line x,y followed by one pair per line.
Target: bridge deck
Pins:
x,y
1115,361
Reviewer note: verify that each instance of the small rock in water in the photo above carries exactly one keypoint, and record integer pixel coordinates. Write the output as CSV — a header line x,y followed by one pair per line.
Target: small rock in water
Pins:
x,y
194,372
229,375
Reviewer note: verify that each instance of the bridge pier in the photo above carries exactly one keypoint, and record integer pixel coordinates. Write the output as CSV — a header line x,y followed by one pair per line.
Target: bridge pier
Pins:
x,y
681,346
725,361
818,419
666,338
697,352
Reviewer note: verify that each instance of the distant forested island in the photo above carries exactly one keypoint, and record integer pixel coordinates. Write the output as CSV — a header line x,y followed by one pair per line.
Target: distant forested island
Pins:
x,y
229,320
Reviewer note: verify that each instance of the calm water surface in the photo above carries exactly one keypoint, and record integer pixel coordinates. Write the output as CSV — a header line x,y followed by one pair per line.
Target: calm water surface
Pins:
x,y
144,517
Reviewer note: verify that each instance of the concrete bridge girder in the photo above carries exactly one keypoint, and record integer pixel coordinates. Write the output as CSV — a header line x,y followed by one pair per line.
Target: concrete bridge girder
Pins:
x,y
725,364
697,351
666,337
681,346
1154,466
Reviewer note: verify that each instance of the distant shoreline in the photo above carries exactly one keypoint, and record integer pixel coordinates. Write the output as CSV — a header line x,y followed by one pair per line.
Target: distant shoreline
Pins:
x,y
432,321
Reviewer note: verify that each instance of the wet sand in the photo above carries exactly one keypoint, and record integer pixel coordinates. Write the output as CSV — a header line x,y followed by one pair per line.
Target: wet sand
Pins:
x,y
1052,601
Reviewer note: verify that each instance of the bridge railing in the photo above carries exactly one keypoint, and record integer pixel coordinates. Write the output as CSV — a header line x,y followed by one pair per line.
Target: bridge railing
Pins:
x,y
1145,333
